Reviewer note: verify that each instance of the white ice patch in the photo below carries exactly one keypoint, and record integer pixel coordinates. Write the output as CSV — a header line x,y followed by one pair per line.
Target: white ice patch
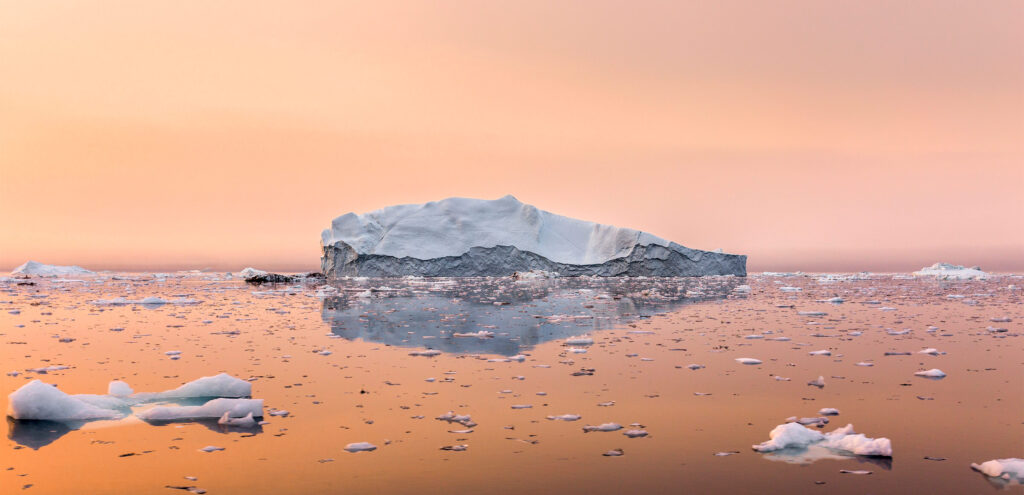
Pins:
x,y
118,388
750,361
603,427
222,385
932,373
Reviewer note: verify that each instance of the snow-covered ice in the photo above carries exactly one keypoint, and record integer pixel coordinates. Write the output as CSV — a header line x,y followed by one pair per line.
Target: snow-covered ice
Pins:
x,y
795,436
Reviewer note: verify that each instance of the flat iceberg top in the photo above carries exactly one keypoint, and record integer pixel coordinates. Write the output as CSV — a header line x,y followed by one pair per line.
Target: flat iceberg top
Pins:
x,y
452,226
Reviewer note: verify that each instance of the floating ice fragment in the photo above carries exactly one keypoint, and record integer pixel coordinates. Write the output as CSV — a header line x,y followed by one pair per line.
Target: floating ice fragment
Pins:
x,y
931,350
603,427
748,361
360,447
522,406
635,433
695,366
455,448
222,385
828,411
211,448
932,373
579,340
426,353
823,352
858,471
565,417
1007,469
819,382
613,453
795,435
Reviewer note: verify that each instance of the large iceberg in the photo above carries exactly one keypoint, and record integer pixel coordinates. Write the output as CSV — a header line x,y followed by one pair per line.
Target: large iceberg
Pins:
x,y
948,271
461,237
43,270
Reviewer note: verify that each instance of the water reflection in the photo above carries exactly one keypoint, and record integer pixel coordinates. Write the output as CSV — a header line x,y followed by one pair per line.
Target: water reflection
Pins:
x,y
513,315
816,453
37,434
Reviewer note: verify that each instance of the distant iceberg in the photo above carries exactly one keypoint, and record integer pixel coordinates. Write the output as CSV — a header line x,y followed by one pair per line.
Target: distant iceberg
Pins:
x,y
947,271
43,270
461,237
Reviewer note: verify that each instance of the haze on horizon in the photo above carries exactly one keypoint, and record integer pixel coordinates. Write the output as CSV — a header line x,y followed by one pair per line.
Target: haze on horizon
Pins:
x,y
808,135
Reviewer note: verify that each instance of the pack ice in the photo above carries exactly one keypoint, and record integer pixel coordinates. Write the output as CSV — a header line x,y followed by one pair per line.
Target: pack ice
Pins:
x,y
460,237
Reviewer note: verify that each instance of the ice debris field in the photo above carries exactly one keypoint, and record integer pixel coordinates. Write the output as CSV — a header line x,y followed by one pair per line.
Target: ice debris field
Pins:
x,y
714,384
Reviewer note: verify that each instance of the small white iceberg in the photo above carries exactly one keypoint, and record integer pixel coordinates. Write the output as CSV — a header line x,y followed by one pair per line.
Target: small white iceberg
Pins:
x,y
1010,469
932,373
797,436
750,361
360,447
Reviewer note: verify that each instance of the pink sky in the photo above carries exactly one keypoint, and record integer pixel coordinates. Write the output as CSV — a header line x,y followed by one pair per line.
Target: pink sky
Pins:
x,y
872,135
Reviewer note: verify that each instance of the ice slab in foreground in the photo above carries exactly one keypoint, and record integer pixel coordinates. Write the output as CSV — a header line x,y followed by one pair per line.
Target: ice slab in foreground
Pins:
x,y
37,400
948,271
462,237
797,436
44,270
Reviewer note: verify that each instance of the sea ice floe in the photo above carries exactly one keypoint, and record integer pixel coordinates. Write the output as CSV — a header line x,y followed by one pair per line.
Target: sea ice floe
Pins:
x,y
932,373
695,366
211,448
931,350
635,433
823,352
797,436
216,408
828,411
579,340
1008,469
360,447
44,270
565,417
603,427
748,361
613,453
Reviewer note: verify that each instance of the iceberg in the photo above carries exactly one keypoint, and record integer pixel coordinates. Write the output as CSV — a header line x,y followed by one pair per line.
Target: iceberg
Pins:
x,y
1006,469
44,270
462,237
948,271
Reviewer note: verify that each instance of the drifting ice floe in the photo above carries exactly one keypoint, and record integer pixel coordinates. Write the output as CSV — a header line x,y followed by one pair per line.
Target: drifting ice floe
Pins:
x,y
216,408
932,373
360,447
797,436
40,401
604,427
750,361
1010,469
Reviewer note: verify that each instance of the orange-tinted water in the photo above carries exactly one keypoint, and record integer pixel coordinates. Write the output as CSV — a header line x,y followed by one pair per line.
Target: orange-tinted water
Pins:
x,y
371,389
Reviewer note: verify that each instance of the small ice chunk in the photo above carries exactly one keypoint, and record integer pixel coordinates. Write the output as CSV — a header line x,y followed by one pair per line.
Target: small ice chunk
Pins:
x,y
426,353
211,448
828,411
819,382
695,366
635,433
360,447
613,453
823,352
932,373
750,361
795,435
857,471
603,427
864,363
579,340
565,417
931,350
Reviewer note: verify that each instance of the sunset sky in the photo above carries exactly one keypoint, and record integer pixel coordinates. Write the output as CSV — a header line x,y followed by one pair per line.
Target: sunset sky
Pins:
x,y
809,135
